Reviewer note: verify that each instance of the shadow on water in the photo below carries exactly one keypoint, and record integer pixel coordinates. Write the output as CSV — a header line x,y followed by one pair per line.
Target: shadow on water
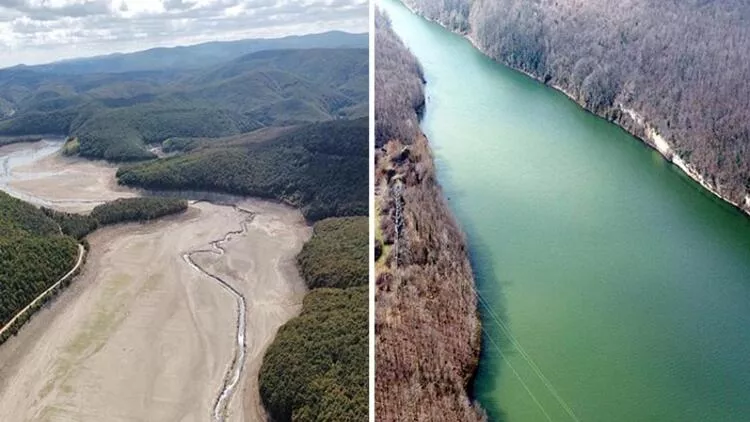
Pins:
x,y
495,344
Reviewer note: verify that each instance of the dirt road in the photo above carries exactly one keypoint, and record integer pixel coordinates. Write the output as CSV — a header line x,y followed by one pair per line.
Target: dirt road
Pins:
x,y
38,300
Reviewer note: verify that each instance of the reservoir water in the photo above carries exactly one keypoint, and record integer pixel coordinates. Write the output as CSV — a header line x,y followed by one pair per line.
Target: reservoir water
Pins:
x,y
612,287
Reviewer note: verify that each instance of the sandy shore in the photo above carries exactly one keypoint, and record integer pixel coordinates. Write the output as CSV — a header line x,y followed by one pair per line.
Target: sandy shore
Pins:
x,y
141,335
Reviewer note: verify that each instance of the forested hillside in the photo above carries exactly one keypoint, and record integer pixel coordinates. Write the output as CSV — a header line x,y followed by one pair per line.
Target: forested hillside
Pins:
x,y
317,367
74,225
678,69
117,115
38,246
33,255
399,95
337,254
137,209
426,326
321,168
121,210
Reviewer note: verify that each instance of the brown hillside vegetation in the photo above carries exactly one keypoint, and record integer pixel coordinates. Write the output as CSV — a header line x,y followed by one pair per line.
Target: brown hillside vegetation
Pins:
x,y
427,329
679,68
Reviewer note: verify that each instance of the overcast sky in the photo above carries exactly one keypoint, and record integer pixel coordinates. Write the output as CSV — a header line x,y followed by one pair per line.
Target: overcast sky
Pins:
x,y
41,31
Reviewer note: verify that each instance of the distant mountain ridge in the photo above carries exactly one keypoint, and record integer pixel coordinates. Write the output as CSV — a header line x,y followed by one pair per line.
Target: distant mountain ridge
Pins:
x,y
196,56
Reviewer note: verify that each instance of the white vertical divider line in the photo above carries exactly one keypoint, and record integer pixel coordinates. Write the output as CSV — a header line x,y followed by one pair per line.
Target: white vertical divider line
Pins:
x,y
371,179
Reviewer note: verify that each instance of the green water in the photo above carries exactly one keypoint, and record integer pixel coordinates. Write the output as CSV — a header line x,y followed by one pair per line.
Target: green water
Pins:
x,y
625,288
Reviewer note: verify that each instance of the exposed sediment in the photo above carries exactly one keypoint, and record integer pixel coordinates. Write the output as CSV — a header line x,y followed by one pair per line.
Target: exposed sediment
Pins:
x,y
142,335
234,371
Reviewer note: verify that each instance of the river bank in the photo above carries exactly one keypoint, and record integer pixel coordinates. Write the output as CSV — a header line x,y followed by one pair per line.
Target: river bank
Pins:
x,y
604,276
428,333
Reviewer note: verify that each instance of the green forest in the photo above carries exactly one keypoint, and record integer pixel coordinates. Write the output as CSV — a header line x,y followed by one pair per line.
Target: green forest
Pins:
x,y
137,209
320,168
337,254
76,226
38,246
316,369
33,255
121,210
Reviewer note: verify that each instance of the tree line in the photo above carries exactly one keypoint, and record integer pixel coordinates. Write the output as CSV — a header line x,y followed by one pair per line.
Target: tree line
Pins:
x,y
121,210
137,209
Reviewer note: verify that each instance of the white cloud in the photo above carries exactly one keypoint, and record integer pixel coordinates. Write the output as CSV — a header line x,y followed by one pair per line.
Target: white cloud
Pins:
x,y
141,7
38,31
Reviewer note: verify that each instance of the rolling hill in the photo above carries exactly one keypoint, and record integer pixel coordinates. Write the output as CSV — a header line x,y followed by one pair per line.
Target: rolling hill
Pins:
x,y
116,115
286,123
319,167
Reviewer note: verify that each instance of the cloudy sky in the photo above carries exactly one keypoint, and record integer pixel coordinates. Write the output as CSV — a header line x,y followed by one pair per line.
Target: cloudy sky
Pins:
x,y
41,31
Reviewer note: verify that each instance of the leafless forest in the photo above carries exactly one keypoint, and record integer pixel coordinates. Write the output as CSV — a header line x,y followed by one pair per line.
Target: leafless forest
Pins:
x,y
427,329
399,96
683,65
